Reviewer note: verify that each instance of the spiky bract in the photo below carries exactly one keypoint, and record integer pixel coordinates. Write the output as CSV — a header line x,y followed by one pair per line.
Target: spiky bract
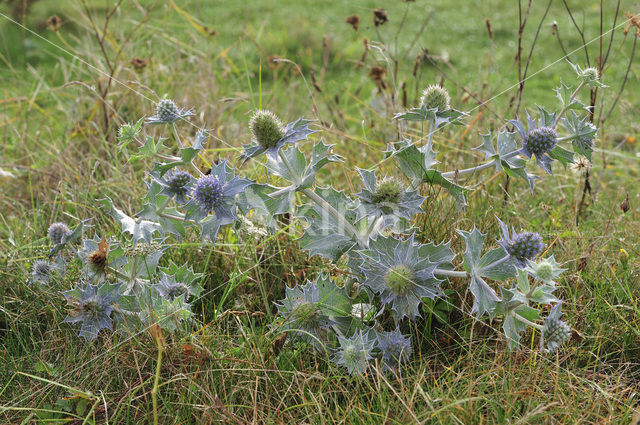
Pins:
x,y
302,313
395,348
270,136
91,305
387,198
401,272
355,352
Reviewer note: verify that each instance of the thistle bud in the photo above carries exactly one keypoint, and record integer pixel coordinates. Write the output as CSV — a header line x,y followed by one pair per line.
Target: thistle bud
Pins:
x,y
435,97
266,128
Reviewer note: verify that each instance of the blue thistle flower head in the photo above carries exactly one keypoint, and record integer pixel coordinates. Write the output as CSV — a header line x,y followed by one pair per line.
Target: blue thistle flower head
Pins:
x,y
58,231
302,313
401,272
395,348
175,184
523,247
42,271
556,332
170,289
91,305
355,352
167,112
270,136
387,197
216,193
537,141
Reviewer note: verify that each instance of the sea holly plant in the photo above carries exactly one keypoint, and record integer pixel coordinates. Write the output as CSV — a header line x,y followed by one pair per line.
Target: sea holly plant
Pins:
x,y
359,317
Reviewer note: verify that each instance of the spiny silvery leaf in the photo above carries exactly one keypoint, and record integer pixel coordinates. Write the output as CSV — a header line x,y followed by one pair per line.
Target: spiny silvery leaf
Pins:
x,y
139,229
540,294
186,156
210,226
303,174
334,301
386,198
259,200
149,149
485,298
564,94
513,327
172,221
68,238
417,165
186,275
422,113
324,235
582,133
168,314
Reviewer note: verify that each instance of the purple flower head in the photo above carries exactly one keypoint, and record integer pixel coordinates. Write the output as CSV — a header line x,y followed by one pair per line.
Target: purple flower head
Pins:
x,y
302,313
537,141
91,305
401,272
540,141
42,271
395,348
167,112
170,289
523,247
216,193
356,352
58,231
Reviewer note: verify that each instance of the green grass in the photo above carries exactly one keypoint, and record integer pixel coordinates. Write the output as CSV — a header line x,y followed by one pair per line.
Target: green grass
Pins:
x,y
224,369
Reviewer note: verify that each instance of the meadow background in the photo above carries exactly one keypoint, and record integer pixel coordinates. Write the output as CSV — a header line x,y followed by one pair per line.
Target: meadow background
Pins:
x,y
58,127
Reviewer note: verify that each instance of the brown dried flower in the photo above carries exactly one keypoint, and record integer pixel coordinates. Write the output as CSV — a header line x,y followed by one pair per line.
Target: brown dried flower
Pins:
x,y
354,21
139,63
380,17
54,23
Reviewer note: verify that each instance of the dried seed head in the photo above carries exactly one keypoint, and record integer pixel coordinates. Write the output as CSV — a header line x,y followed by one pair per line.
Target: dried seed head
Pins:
x,y
266,128
54,23
380,17
139,63
354,21
435,97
